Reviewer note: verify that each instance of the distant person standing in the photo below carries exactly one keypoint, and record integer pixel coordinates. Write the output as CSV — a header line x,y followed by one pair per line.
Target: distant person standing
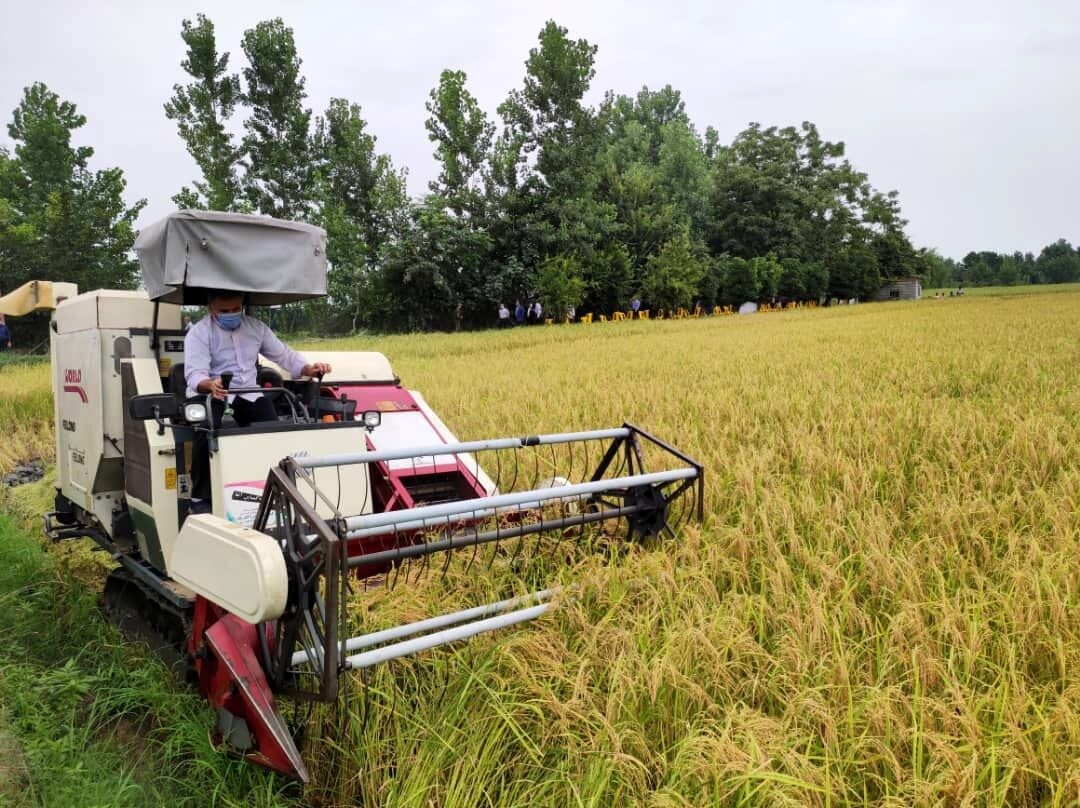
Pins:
x,y
459,312
5,335
635,306
504,316
519,313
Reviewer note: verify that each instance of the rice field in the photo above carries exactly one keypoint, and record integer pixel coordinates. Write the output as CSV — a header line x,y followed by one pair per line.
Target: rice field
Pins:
x,y
880,606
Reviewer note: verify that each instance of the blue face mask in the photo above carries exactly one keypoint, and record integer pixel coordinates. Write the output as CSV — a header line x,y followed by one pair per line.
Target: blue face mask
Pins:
x,y
230,321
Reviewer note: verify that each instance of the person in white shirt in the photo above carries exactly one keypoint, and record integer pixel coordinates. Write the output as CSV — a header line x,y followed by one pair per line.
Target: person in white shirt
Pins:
x,y
229,341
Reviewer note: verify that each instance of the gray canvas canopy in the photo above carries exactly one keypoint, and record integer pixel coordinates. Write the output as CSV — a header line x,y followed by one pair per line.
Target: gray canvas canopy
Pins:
x,y
270,260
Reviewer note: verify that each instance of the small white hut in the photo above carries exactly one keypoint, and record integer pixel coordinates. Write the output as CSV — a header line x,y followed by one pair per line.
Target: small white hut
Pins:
x,y
908,288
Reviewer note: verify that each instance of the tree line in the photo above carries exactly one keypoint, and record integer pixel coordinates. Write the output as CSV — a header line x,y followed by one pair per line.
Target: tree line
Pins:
x,y
575,205
1055,263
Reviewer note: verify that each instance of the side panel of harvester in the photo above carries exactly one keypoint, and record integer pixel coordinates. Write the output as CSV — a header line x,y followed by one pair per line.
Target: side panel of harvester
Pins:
x,y
238,468
94,333
151,470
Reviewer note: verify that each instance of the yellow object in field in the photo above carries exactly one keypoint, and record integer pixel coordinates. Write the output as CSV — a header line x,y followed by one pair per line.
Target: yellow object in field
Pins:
x,y
36,296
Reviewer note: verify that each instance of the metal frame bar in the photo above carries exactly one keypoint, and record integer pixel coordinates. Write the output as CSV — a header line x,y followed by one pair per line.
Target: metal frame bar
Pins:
x,y
465,539
312,558
439,622
434,450
375,524
414,646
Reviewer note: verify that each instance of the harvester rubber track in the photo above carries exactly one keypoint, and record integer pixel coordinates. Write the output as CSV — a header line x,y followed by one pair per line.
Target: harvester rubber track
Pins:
x,y
144,616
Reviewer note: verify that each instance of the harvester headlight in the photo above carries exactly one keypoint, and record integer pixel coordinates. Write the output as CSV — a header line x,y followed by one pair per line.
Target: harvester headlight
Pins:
x,y
371,419
194,413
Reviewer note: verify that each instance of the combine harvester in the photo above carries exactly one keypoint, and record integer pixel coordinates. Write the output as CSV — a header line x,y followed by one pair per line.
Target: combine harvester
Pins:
x,y
357,480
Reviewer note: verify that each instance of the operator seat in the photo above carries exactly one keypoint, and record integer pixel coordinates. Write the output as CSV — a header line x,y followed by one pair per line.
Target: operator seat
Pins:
x,y
178,384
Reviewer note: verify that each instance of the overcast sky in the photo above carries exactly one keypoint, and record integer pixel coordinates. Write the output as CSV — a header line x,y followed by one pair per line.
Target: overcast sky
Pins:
x,y
969,108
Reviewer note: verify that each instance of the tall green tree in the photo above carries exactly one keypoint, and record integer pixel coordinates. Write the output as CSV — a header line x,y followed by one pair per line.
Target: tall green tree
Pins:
x,y
60,220
279,180
546,156
362,202
896,257
739,280
560,286
854,272
654,172
786,191
1058,263
463,136
935,270
630,178
674,274
46,162
420,281
980,268
202,110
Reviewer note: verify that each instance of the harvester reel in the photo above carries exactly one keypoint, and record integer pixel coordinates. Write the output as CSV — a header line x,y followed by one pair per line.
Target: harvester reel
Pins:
x,y
548,492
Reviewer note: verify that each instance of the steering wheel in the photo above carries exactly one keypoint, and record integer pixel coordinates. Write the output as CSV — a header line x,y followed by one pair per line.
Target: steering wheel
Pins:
x,y
268,377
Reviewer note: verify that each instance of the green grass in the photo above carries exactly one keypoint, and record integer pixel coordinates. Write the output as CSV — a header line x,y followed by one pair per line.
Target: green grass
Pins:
x,y
15,358
88,720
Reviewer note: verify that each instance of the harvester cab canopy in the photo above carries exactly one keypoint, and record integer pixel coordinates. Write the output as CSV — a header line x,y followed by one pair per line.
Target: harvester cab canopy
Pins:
x,y
270,261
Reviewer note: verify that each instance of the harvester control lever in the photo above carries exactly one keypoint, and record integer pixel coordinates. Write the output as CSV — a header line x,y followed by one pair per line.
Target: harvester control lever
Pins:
x,y
295,405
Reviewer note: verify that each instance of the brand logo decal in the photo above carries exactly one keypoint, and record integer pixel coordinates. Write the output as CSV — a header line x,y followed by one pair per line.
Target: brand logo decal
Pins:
x,y
73,383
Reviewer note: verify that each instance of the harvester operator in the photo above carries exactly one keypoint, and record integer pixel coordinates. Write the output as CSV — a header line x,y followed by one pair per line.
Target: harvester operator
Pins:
x,y
230,341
